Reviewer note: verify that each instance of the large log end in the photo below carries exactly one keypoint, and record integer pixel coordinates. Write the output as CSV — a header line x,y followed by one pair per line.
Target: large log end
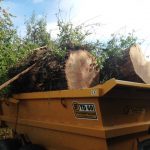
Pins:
x,y
82,70
140,64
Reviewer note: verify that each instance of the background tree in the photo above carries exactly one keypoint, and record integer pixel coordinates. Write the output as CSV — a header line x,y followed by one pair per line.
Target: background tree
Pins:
x,y
36,31
8,40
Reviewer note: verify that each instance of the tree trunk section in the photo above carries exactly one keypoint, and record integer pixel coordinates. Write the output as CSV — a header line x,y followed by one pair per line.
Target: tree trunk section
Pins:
x,y
140,64
82,70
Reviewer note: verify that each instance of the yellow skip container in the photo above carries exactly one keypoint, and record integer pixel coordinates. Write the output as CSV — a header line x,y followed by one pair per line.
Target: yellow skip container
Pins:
x,y
111,116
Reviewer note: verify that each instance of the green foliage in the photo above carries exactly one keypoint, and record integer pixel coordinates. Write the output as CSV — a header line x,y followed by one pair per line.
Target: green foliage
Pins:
x,y
36,31
119,42
114,51
70,36
73,37
8,40
97,49
12,48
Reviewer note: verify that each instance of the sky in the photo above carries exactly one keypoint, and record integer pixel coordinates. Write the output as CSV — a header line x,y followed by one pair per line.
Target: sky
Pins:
x,y
112,16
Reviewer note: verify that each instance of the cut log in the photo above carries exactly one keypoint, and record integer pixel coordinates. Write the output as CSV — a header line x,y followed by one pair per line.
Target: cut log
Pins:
x,y
140,64
82,70
126,67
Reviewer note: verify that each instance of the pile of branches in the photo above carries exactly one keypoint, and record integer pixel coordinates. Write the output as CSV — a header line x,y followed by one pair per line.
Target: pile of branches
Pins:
x,y
47,74
50,71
